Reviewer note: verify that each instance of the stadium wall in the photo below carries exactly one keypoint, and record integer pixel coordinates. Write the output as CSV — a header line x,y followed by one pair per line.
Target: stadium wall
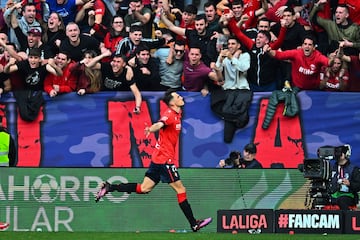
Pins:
x,y
62,199
100,130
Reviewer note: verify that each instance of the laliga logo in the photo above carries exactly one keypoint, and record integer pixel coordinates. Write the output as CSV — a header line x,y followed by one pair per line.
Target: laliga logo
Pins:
x,y
45,188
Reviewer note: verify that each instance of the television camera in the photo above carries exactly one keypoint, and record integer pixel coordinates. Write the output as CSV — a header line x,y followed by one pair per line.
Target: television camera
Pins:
x,y
318,171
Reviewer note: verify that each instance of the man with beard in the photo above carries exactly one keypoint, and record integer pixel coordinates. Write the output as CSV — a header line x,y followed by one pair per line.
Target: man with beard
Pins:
x,y
199,37
116,75
306,63
76,44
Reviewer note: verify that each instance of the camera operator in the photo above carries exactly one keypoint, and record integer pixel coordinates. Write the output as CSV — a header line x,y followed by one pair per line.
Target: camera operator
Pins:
x,y
235,160
345,180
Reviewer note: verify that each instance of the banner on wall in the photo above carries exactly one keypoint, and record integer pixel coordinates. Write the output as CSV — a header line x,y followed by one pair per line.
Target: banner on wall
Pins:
x,y
62,199
309,221
352,222
256,221
100,130
246,221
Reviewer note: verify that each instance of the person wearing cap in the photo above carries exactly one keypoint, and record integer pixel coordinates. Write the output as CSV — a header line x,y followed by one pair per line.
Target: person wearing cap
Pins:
x,y
7,148
26,20
32,40
247,160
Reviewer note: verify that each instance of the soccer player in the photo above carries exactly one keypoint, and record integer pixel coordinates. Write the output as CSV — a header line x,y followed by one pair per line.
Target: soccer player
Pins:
x,y
162,165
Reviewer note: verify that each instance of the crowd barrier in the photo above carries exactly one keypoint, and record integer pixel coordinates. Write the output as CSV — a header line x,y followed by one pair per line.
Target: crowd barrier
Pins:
x,y
100,130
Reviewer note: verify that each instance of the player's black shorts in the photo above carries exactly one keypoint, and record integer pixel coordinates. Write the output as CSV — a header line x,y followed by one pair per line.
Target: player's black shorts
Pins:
x,y
166,173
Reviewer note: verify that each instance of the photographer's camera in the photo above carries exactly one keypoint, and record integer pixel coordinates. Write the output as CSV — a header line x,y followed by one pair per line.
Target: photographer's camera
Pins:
x,y
234,155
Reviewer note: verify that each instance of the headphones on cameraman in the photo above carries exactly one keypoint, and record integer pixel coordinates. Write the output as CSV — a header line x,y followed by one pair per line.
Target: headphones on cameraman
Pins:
x,y
347,150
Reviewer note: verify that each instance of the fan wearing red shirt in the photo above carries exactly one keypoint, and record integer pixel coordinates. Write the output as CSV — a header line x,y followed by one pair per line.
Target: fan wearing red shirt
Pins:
x,y
354,69
187,19
162,167
64,81
306,63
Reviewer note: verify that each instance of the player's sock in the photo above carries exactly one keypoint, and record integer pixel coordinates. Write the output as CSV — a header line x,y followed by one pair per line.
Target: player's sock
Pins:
x,y
124,187
186,208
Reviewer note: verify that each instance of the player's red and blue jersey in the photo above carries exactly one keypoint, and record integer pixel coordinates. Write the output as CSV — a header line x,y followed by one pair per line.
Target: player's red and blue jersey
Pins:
x,y
165,147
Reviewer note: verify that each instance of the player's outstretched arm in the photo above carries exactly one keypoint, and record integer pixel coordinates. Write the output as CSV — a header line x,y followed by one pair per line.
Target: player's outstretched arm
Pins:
x,y
153,128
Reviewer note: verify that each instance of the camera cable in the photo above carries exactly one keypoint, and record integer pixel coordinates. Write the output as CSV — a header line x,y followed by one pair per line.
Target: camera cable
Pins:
x,y
240,187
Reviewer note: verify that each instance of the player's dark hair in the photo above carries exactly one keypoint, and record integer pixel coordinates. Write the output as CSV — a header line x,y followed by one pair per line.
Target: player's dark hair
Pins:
x,y
168,96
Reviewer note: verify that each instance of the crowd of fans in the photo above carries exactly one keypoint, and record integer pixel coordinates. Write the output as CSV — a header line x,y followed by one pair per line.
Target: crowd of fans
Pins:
x,y
86,46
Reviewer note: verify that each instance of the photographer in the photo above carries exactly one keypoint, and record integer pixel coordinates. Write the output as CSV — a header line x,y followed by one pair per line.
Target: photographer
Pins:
x,y
345,180
236,161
